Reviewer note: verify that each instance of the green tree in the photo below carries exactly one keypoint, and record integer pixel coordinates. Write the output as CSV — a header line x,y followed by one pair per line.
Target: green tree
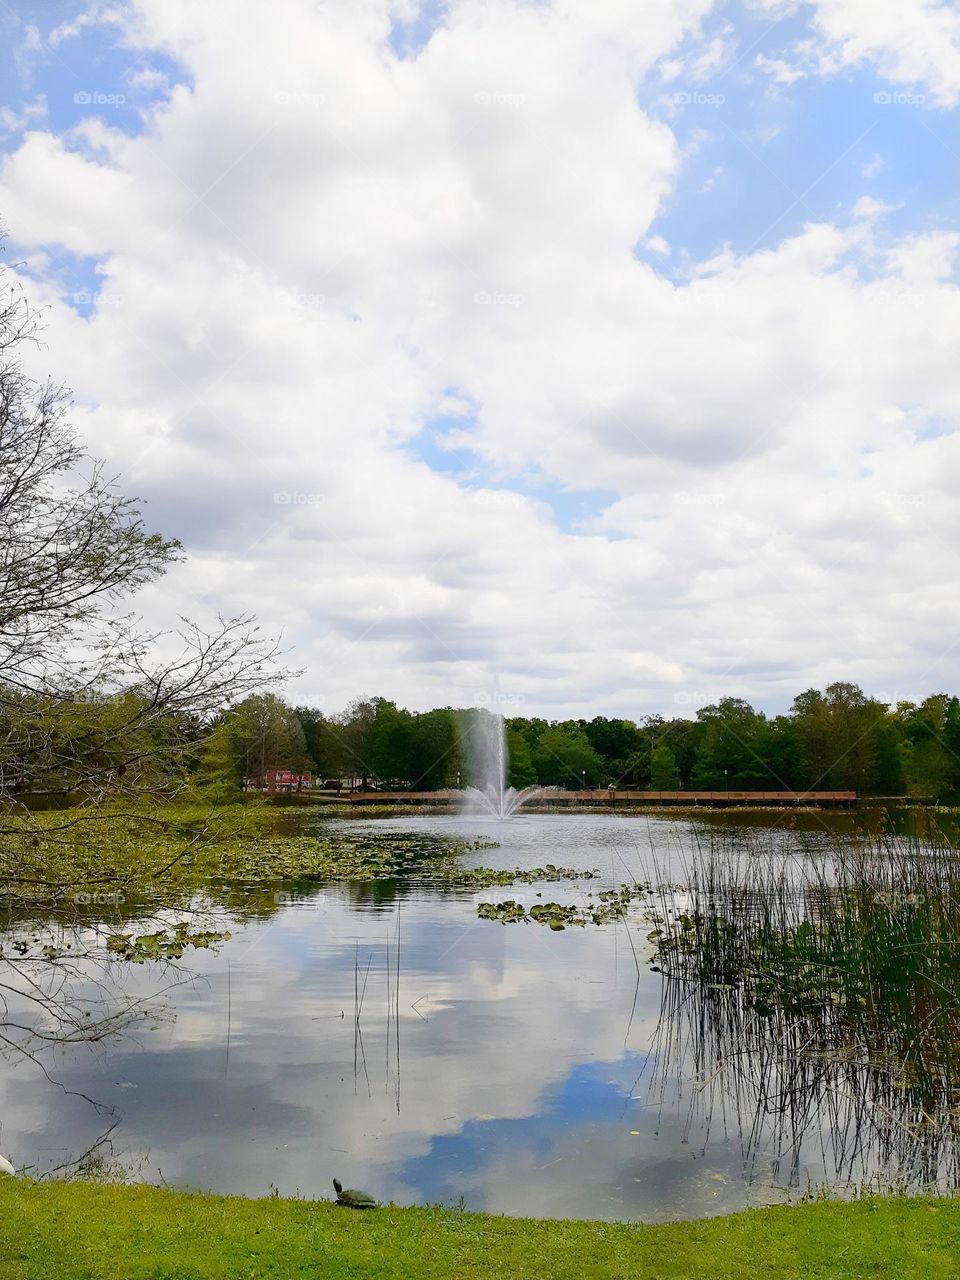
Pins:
x,y
266,734
837,737
731,746
664,775
218,775
563,757
437,750
322,742
521,771
615,741
353,731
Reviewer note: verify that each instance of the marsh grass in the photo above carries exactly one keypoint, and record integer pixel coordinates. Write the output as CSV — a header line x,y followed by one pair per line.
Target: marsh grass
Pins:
x,y
811,1004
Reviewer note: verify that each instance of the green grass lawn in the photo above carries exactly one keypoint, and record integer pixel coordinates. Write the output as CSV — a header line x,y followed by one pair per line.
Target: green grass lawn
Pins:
x,y
71,1230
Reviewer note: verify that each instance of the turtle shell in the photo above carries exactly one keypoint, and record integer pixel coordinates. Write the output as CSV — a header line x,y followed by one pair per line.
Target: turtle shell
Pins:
x,y
354,1199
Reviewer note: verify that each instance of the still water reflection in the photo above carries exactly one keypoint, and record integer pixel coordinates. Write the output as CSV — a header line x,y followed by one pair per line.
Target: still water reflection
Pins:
x,y
384,1034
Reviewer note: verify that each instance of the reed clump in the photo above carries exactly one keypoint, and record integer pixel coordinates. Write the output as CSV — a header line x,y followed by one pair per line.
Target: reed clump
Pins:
x,y
817,995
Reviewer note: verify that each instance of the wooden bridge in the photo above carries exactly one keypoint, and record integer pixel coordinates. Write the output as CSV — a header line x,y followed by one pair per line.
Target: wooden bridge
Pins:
x,y
609,798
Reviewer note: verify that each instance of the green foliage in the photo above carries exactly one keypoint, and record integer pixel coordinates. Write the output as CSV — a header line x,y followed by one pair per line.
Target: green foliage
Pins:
x,y
607,905
162,945
521,771
86,1231
168,855
563,757
856,959
834,739
218,774
663,770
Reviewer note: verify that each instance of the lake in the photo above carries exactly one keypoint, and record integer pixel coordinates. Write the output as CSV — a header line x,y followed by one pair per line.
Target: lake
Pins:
x,y
385,1034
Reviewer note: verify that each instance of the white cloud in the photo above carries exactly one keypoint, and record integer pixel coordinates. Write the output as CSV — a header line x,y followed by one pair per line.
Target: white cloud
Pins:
x,y
912,42
317,248
780,71
706,58
14,121
96,15
867,208
147,78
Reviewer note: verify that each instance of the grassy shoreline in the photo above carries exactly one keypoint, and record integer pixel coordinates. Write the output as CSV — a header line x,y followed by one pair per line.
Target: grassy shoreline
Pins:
x,y
84,1231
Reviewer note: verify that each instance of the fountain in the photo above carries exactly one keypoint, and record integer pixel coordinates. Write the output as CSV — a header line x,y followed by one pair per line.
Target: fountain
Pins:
x,y
490,797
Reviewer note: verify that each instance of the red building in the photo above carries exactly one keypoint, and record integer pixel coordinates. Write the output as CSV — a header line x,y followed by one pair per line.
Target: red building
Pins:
x,y
280,780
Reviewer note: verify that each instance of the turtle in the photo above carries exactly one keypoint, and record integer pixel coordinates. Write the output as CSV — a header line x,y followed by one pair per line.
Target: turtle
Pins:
x,y
353,1199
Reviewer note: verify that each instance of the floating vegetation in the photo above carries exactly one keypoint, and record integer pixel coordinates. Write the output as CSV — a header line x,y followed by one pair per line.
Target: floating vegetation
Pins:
x,y
484,877
604,906
338,856
123,861
162,945
130,867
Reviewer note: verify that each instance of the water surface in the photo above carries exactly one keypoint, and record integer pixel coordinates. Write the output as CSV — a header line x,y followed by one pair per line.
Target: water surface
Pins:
x,y
510,1068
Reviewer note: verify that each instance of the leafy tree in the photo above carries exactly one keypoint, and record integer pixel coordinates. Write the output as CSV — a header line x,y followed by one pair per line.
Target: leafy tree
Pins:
x,y
322,742
929,733
521,770
437,750
837,736
664,775
563,757
218,775
265,734
353,732
730,749
614,741
389,747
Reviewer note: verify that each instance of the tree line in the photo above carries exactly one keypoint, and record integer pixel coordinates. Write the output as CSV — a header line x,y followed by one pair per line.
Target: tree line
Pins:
x,y
837,738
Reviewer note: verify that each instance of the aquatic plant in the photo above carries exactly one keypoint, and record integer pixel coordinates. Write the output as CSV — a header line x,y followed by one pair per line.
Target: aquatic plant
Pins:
x,y
600,908
817,997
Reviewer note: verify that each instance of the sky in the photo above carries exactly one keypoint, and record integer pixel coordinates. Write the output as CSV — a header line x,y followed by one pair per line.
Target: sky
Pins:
x,y
577,356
